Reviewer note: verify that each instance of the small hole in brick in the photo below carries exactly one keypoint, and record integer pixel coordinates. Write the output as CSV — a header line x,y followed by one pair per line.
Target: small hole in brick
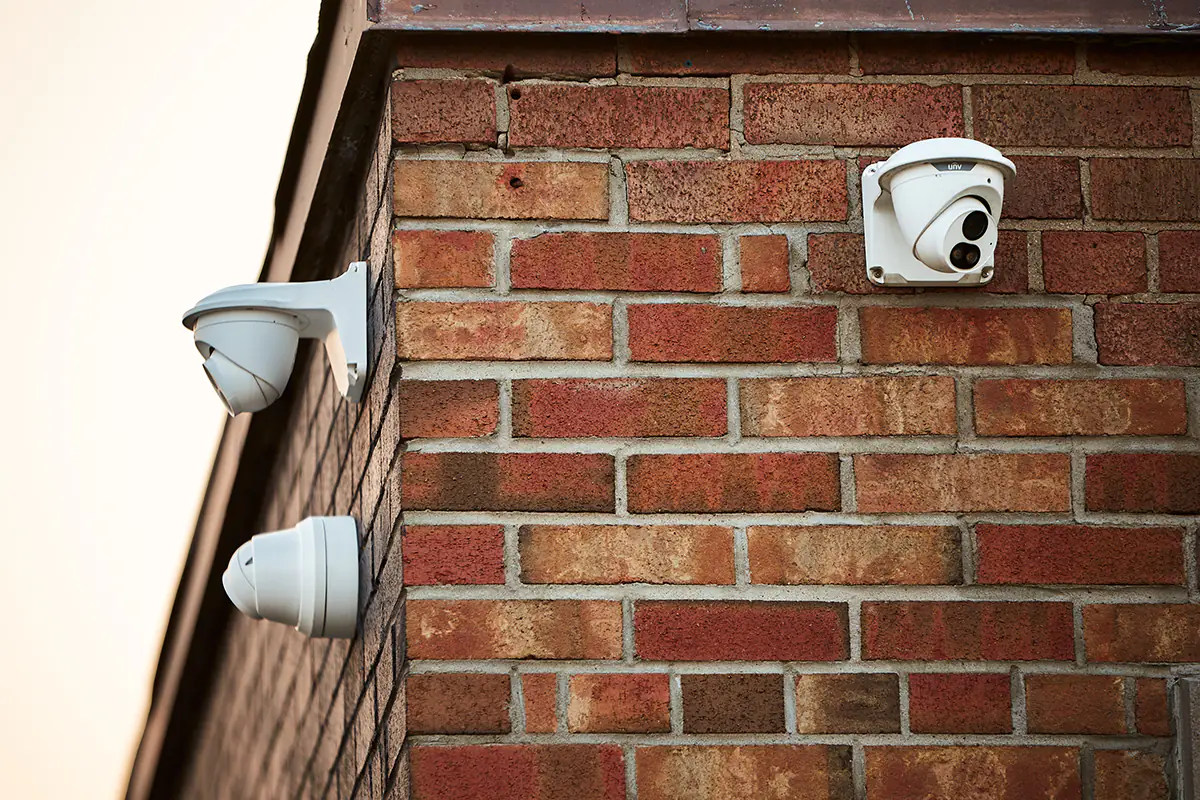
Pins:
x,y
516,183
515,94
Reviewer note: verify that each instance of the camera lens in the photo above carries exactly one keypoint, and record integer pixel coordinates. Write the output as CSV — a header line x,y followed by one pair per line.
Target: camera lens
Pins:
x,y
975,225
964,256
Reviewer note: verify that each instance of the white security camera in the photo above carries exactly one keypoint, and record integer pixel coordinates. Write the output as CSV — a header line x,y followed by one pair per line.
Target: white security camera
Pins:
x,y
930,213
306,576
248,335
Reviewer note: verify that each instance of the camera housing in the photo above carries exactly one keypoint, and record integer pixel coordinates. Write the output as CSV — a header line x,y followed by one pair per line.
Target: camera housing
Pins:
x,y
248,336
930,213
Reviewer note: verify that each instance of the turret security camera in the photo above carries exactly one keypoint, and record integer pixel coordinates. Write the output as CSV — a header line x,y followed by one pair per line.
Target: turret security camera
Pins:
x,y
248,336
930,213
305,576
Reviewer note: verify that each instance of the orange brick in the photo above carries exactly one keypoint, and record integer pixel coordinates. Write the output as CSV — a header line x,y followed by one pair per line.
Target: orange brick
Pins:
x,y
854,555
871,406
607,554
1130,775
1131,407
908,483
740,630
430,111
623,407
981,336
764,261
1078,554
959,703
732,772
482,629
693,332
1151,707
438,409
997,773
426,259
862,703
968,631
517,772
1142,632
639,703
720,482
503,331
453,554
1094,262
501,190
507,482
1075,703
618,261
540,692
465,703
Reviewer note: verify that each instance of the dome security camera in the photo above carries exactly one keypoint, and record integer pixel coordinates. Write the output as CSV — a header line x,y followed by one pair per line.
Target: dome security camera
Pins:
x,y
930,213
306,576
248,336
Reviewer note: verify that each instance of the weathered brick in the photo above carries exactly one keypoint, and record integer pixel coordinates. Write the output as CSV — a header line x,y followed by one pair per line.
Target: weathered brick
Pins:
x,y
861,703
1148,334
609,554
503,331
910,483
501,190
744,54
1166,483
849,114
997,773
1179,261
764,263
959,703
733,703
1075,703
1082,116
983,336
719,482
1045,187
733,772
854,555
708,334
507,481
904,54
438,409
736,191
1078,554
852,406
970,631
1094,262
622,407
1146,188
464,703
453,554
639,703
1151,707
1148,633
626,262
521,56
480,629
1130,775
584,115
518,772
454,110
540,693
740,631
1134,57
1128,407
431,259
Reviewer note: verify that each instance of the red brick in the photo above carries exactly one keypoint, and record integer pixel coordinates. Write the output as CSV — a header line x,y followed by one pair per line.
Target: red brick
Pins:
x,y
730,53
733,772
501,190
850,114
1152,633
453,554
457,703
909,483
962,631
608,554
428,111
1179,261
1130,407
1093,262
714,334
983,336
1130,775
1166,483
583,115
732,703
868,406
1148,334
507,482
518,772
721,482
521,56
740,631
1079,554
764,262
1146,188
904,54
1132,57
1082,116
638,703
483,629
959,703
633,407
1045,188
503,331
951,773
862,703
438,409
1151,709
1075,703
736,191
426,259
854,555
540,692
623,262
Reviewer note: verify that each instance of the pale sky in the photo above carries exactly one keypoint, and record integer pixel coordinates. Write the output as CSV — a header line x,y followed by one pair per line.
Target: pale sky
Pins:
x,y
140,147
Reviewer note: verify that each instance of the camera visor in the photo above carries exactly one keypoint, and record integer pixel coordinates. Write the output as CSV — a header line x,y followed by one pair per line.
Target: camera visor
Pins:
x,y
975,225
964,256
